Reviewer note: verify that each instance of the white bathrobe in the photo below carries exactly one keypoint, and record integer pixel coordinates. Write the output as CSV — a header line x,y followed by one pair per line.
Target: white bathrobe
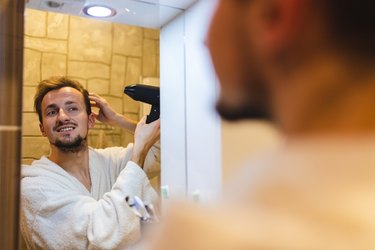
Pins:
x,y
58,212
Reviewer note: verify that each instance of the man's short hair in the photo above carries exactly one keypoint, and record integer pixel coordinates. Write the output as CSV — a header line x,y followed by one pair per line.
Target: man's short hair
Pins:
x,y
352,23
54,83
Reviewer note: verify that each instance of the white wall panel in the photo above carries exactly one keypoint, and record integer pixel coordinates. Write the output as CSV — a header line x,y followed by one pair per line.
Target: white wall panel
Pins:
x,y
202,124
173,107
191,135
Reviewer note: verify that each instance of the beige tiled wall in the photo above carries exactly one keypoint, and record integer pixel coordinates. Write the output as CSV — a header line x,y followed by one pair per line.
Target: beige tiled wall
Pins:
x,y
103,56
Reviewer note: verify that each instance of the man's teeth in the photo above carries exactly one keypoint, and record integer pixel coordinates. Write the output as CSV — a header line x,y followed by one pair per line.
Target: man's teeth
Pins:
x,y
66,129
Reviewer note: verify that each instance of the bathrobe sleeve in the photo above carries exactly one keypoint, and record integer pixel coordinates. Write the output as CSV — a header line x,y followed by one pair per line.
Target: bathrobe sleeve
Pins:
x,y
55,215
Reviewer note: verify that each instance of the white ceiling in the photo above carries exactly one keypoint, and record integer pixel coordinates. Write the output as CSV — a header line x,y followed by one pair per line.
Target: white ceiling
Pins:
x,y
145,13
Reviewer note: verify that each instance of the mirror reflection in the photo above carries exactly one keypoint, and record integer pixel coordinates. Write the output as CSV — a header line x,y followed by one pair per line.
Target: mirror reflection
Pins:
x,y
103,57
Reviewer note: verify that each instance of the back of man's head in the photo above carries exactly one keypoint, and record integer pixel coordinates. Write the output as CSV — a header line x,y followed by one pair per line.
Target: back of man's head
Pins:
x,y
352,24
279,59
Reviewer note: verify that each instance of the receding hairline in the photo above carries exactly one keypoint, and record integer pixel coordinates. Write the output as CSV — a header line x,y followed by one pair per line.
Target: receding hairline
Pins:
x,y
70,90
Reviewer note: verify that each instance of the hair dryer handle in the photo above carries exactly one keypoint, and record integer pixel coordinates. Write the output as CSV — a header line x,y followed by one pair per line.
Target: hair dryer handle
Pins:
x,y
154,114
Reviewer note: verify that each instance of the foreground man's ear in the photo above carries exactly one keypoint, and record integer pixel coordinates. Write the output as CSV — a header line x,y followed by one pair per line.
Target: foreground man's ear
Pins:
x,y
272,25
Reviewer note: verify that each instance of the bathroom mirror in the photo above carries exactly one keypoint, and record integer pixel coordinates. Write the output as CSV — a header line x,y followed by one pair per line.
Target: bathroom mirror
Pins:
x,y
104,55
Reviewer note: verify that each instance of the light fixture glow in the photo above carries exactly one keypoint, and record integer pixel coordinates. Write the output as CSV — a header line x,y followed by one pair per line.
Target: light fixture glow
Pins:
x,y
99,11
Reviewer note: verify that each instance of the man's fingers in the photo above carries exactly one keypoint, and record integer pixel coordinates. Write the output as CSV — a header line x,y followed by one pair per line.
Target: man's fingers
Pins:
x,y
97,99
94,104
94,94
143,120
157,122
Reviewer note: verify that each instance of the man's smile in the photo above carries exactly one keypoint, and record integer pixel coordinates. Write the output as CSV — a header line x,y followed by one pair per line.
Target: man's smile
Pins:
x,y
65,128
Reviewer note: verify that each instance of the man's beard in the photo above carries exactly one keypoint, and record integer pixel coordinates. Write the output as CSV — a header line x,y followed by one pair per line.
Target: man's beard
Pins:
x,y
252,99
254,106
75,146
246,111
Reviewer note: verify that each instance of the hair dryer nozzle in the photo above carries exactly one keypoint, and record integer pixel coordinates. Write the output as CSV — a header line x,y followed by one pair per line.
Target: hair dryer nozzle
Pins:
x,y
144,93
147,94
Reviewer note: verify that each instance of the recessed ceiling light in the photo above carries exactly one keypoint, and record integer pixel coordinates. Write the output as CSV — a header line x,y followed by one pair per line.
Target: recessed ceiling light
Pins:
x,y
99,11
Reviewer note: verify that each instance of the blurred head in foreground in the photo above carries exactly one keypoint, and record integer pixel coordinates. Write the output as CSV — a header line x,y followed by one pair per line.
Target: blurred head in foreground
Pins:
x,y
307,65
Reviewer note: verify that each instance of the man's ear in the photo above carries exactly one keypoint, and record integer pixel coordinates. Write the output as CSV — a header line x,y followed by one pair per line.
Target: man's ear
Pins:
x,y
278,23
91,120
41,128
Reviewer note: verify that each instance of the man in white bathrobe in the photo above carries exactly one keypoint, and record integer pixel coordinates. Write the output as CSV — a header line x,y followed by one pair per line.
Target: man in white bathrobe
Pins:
x,y
309,67
74,198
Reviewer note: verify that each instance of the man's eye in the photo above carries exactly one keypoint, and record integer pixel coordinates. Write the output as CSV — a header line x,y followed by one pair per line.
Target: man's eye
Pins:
x,y
51,113
73,109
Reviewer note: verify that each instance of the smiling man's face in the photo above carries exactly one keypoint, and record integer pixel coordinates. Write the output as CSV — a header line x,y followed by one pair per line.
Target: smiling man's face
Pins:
x,y
65,121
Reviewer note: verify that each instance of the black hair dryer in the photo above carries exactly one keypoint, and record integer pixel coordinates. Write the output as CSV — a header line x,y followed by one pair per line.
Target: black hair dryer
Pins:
x,y
147,94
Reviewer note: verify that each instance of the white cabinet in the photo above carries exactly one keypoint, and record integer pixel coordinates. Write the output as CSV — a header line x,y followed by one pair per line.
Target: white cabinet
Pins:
x,y
191,134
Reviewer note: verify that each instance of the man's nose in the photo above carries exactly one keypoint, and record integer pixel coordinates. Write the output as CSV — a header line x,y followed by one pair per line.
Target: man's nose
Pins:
x,y
62,115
